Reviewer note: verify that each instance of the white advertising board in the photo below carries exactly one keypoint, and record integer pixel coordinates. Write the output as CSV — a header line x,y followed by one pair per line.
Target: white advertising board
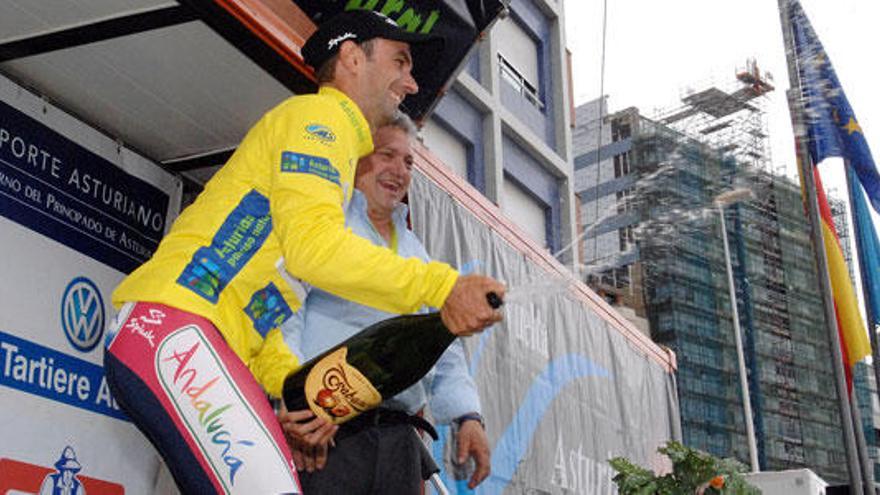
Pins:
x,y
77,212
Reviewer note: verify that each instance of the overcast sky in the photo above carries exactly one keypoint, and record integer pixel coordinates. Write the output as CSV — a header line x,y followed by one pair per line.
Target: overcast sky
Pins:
x,y
655,50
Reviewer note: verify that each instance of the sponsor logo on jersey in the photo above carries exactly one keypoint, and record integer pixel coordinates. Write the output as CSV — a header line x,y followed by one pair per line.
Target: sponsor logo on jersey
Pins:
x,y
267,309
320,133
308,164
242,234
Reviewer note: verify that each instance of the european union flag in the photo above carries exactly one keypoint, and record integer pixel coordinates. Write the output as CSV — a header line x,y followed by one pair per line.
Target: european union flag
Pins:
x,y
832,126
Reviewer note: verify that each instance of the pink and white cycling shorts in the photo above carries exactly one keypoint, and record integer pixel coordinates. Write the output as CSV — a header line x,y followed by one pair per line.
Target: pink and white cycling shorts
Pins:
x,y
194,399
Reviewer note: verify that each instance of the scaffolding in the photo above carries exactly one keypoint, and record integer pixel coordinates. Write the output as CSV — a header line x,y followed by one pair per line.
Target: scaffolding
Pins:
x,y
689,309
658,251
732,119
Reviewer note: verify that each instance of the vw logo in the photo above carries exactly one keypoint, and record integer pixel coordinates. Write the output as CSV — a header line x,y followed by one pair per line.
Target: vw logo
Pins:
x,y
82,314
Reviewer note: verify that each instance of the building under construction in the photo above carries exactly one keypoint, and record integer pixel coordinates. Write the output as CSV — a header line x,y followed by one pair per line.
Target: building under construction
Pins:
x,y
652,243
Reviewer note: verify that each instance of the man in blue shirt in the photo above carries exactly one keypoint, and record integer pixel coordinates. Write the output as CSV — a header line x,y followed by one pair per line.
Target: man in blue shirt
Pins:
x,y
377,452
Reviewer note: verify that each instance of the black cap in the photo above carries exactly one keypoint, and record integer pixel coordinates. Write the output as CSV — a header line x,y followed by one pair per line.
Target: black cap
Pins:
x,y
360,26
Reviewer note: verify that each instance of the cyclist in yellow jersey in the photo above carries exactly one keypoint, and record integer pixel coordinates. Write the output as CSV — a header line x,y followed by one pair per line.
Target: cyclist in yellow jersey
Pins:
x,y
198,339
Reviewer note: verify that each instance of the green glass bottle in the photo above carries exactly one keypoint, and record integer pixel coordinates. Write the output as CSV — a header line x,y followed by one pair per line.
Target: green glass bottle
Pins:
x,y
376,363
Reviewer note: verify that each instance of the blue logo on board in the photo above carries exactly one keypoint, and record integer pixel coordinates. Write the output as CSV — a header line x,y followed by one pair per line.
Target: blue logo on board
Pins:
x,y
82,314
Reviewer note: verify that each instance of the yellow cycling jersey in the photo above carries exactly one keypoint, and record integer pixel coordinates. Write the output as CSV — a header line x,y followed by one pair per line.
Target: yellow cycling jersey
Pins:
x,y
274,215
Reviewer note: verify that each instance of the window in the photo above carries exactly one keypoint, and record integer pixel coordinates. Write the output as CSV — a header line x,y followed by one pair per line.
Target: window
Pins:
x,y
447,147
621,277
525,211
623,200
620,131
518,59
621,164
626,237
511,76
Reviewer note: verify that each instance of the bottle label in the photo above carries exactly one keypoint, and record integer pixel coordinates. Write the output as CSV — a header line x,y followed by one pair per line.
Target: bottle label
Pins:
x,y
337,391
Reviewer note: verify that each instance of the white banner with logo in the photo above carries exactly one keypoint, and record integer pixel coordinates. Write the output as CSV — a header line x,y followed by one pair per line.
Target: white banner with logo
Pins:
x,y
563,389
77,212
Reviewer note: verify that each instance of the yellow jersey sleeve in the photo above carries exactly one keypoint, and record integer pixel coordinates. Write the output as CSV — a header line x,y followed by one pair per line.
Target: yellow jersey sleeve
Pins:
x,y
272,363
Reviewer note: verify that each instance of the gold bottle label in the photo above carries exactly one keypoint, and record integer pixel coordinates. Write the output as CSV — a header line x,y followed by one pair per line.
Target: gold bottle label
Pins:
x,y
337,391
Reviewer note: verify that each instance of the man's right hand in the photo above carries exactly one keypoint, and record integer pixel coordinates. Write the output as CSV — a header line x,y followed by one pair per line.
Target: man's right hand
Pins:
x,y
308,436
466,310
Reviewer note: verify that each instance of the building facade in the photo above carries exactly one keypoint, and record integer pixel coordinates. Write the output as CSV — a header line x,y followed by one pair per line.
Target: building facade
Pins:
x,y
652,242
505,124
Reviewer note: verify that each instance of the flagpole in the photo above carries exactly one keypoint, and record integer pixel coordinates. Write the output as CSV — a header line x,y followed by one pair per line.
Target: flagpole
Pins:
x,y
811,202
865,461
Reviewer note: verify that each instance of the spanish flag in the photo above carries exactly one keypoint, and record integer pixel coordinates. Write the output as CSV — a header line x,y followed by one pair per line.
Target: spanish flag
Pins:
x,y
833,131
853,337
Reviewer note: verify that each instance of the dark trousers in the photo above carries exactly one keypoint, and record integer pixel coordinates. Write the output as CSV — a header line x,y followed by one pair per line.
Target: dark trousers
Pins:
x,y
378,459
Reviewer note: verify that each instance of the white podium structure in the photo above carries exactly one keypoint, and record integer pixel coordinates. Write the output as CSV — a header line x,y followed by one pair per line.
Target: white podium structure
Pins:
x,y
792,482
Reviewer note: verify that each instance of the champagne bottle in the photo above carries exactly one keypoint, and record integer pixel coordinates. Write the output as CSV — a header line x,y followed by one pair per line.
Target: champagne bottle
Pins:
x,y
376,363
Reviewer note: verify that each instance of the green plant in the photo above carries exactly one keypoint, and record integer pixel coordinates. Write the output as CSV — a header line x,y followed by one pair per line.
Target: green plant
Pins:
x,y
693,472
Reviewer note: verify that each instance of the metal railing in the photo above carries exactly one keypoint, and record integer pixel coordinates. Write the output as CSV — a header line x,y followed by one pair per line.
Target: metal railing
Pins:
x,y
512,76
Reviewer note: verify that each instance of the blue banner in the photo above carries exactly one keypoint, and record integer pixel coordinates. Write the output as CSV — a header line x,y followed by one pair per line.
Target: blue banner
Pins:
x,y
53,186
45,372
868,249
